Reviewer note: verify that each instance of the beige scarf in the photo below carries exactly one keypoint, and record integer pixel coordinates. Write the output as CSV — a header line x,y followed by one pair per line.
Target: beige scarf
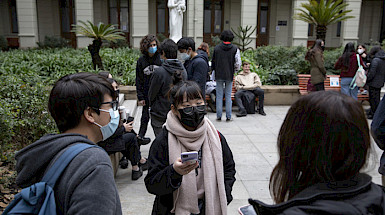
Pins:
x,y
182,140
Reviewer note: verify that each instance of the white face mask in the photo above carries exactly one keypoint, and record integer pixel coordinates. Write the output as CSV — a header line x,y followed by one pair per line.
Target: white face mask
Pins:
x,y
360,51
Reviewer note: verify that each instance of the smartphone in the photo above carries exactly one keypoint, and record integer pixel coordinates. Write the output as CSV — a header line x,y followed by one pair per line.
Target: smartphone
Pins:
x,y
190,157
247,210
130,119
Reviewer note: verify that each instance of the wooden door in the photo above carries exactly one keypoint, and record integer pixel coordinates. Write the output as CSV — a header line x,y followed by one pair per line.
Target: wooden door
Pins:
x,y
212,19
67,17
263,23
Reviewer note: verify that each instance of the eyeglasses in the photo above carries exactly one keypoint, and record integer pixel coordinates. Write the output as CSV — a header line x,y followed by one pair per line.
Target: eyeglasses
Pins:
x,y
190,110
114,104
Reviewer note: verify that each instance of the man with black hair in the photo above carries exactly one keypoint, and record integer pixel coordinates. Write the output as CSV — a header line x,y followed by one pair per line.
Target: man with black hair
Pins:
x,y
225,62
84,108
145,67
160,83
196,65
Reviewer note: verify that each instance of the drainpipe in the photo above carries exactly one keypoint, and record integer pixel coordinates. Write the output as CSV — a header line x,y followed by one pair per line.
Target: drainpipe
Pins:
x,y
195,21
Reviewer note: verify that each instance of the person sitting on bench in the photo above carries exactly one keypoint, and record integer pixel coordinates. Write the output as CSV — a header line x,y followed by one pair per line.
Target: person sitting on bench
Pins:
x,y
248,85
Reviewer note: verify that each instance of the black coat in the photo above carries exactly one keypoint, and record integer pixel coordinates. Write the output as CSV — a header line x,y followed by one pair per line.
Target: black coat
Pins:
x,y
356,196
223,61
197,70
145,66
161,81
378,132
115,143
376,74
162,180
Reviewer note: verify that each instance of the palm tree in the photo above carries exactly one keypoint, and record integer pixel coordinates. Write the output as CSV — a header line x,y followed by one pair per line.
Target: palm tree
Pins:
x,y
322,13
99,33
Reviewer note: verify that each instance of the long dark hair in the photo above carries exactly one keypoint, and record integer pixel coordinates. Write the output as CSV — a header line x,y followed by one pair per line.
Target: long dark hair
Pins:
x,y
179,88
317,47
348,51
324,138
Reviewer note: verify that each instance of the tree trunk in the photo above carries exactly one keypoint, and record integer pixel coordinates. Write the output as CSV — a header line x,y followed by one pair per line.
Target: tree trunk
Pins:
x,y
94,49
321,32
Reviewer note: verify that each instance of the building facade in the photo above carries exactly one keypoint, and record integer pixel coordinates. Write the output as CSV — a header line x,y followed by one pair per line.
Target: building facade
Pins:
x,y
26,22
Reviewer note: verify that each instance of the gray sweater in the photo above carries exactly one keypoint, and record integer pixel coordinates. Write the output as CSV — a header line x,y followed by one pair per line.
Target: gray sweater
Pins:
x,y
86,186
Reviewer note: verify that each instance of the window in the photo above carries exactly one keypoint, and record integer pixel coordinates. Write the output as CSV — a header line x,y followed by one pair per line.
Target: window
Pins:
x,y
119,14
162,17
13,16
310,31
339,29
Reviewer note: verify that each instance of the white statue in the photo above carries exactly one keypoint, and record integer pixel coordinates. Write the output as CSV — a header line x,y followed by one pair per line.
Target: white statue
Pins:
x,y
176,10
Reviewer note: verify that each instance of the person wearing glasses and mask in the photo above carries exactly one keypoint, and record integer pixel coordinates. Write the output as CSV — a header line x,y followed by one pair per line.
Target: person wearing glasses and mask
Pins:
x,y
203,186
145,67
124,140
85,110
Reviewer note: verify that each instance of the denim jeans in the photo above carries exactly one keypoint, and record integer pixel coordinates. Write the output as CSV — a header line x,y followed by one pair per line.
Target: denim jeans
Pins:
x,y
219,99
345,87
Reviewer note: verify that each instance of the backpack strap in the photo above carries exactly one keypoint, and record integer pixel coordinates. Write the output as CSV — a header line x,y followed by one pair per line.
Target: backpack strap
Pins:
x,y
62,162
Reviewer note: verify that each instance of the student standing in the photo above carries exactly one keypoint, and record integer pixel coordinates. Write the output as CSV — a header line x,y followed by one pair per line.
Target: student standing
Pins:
x,y
145,67
316,59
225,62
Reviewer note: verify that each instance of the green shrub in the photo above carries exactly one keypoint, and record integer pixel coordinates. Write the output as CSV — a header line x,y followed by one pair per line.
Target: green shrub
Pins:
x,y
53,42
3,43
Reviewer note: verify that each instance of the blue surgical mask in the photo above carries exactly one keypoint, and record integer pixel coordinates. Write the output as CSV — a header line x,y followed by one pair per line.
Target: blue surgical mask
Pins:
x,y
152,50
184,56
109,129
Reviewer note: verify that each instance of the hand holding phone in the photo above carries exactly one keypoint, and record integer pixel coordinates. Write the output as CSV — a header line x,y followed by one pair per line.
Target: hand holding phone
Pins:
x,y
190,157
184,168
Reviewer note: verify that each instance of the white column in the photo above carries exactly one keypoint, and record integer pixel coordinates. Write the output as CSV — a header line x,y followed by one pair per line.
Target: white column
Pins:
x,y
84,12
140,20
300,28
27,19
249,13
351,26
194,18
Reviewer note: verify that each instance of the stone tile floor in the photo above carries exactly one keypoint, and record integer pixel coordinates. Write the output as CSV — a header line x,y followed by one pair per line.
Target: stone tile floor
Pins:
x,y
252,140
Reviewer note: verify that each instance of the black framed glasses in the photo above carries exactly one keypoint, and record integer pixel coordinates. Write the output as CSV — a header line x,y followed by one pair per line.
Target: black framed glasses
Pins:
x,y
190,110
114,104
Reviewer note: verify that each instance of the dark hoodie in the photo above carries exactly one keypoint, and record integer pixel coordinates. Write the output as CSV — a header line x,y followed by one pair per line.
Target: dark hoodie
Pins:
x,y
144,69
356,196
376,74
197,69
161,81
86,186
223,61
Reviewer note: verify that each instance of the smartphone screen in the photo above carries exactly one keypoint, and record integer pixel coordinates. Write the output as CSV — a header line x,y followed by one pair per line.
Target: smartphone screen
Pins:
x,y
247,210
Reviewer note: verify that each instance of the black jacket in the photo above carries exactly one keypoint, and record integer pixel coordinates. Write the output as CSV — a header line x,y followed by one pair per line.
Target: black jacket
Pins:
x,y
356,196
162,180
223,61
86,186
376,74
161,81
144,68
197,69
378,132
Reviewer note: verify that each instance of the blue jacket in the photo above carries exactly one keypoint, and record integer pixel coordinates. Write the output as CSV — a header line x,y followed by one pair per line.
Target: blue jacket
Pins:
x,y
197,69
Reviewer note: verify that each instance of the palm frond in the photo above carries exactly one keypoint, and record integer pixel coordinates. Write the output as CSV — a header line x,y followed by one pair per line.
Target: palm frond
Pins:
x,y
100,31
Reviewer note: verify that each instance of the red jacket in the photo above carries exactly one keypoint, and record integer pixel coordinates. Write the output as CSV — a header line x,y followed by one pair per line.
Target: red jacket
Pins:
x,y
348,71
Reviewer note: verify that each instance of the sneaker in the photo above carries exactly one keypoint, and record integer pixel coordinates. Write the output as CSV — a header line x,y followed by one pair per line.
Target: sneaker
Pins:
x,y
143,166
219,119
123,163
229,119
136,174
241,114
143,140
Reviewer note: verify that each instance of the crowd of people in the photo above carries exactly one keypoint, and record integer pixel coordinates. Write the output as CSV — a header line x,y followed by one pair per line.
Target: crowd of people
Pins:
x,y
323,142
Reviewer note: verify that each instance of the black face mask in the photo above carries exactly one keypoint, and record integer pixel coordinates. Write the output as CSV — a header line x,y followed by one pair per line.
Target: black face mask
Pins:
x,y
192,116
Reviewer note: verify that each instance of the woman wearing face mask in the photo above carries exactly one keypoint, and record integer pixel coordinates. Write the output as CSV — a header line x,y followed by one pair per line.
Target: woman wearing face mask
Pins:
x,y
361,50
204,186
316,59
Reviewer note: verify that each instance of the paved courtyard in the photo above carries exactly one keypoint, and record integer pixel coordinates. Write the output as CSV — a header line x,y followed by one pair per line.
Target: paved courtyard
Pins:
x,y
252,140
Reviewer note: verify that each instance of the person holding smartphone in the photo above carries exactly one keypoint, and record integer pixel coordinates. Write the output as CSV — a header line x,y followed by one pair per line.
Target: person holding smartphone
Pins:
x,y
124,140
200,187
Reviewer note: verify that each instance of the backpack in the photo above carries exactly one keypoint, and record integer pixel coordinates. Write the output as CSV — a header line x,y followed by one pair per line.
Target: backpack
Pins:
x,y
39,198
359,79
